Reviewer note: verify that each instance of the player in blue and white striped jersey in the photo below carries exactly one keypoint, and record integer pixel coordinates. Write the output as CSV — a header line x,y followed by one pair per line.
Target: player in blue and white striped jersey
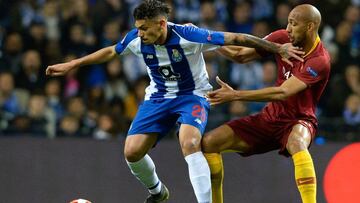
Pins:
x,y
179,81
176,67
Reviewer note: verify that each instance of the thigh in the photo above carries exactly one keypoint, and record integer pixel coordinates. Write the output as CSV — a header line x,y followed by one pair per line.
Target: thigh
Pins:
x,y
299,138
223,139
192,110
153,116
258,134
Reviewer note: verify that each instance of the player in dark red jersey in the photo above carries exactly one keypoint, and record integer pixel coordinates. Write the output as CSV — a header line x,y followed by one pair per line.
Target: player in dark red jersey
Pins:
x,y
288,122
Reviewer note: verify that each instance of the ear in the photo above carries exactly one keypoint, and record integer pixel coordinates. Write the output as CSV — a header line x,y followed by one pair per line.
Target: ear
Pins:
x,y
163,22
311,26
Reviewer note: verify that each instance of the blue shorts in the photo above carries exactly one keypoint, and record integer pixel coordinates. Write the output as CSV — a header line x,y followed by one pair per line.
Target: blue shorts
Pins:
x,y
160,115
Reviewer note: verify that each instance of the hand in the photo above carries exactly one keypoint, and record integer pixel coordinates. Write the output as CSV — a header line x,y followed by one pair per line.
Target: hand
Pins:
x,y
190,24
288,51
60,69
224,94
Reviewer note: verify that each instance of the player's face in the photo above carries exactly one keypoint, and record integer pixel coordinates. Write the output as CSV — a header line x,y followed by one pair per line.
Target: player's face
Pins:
x,y
296,28
150,30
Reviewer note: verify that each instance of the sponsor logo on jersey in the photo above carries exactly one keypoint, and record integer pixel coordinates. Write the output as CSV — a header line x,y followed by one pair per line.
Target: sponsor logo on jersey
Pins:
x,y
168,73
149,56
176,56
312,72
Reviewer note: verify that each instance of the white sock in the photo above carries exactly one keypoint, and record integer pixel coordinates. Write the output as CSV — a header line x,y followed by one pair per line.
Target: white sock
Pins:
x,y
144,171
199,173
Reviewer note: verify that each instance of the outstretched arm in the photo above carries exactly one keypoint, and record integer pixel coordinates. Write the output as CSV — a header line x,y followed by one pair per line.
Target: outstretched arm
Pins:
x,y
286,51
238,54
226,93
100,56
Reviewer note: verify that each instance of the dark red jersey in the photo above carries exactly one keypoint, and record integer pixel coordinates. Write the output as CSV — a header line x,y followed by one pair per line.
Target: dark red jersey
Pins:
x,y
314,71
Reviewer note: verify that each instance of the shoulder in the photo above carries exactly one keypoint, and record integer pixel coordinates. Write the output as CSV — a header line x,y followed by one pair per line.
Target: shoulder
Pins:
x,y
198,35
129,37
320,58
278,36
186,30
182,28
319,64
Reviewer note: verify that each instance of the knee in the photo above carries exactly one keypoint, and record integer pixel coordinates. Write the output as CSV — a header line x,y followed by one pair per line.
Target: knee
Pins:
x,y
190,146
296,144
208,143
133,154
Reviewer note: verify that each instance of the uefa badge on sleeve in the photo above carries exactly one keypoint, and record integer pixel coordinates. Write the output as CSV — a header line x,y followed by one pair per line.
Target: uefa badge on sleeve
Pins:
x,y
312,72
209,38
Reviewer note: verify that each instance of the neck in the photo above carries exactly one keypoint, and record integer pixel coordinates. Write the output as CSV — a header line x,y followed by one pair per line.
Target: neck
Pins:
x,y
310,43
163,37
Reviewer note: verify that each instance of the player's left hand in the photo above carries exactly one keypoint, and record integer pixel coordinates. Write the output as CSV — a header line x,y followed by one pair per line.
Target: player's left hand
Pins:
x,y
288,51
190,24
224,94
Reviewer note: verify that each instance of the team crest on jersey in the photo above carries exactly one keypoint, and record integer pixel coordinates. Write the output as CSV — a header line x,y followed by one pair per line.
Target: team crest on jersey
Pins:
x,y
312,72
176,56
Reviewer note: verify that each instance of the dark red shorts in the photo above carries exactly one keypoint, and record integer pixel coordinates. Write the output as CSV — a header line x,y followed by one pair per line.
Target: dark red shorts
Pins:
x,y
263,134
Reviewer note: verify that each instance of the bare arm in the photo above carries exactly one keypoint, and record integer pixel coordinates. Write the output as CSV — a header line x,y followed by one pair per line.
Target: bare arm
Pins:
x,y
289,88
226,93
246,40
286,51
239,54
100,56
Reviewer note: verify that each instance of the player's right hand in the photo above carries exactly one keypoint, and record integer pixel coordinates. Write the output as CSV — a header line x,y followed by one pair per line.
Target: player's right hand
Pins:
x,y
224,94
288,51
60,69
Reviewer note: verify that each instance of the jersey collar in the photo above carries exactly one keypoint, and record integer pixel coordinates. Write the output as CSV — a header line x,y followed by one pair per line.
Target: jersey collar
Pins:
x,y
317,41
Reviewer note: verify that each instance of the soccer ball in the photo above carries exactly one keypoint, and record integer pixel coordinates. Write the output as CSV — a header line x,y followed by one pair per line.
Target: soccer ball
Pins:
x,y
80,201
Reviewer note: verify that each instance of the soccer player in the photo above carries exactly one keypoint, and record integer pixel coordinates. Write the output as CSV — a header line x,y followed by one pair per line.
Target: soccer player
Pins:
x,y
179,81
288,121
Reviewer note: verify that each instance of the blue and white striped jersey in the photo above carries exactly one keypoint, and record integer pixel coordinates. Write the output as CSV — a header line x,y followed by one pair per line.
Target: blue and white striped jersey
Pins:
x,y
177,67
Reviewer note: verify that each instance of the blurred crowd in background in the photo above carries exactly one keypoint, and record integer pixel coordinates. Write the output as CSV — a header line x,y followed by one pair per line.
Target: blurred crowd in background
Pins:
x,y
100,101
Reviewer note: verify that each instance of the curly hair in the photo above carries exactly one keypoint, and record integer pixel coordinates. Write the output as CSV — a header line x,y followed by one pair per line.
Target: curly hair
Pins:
x,y
150,9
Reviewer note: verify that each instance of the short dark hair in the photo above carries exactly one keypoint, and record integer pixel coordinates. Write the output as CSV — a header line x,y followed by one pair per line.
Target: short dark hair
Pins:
x,y
149,9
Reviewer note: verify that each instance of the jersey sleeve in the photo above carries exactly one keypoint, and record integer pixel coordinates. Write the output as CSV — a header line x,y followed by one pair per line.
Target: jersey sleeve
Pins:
x,y
278,36
122,46
208,39
313,71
